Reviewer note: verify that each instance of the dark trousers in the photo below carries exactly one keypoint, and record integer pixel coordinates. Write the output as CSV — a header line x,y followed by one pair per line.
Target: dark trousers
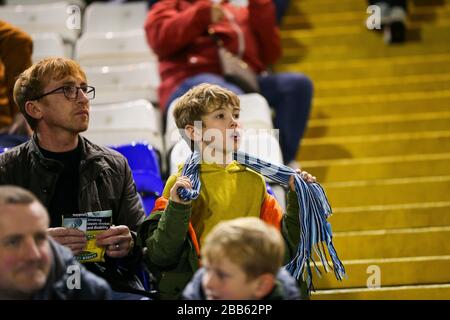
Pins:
x,y
391,3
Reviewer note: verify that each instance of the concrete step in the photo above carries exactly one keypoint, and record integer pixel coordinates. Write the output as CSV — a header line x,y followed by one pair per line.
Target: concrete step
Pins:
x,y
379,104
430,121
358,35
396,243
391,272
388,191
380,145
402,166
382,85
319,7
344,51
394,88
399,66
303,18
411,292
397,216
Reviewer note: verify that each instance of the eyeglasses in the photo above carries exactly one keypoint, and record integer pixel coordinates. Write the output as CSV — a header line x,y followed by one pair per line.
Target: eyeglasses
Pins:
x,y
71,92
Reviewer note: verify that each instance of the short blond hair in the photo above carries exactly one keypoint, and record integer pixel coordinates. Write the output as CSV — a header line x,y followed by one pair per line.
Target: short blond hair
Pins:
x,y
201,100
32,81
255,246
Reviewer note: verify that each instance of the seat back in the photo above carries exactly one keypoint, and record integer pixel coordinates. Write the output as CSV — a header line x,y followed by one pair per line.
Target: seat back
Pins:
x,y
143,162
106,17
50,17
113,48
255,112
49,44
125,82
122,123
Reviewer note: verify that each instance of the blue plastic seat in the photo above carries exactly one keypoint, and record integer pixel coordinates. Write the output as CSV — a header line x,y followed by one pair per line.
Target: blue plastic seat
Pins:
x,y
269,189
143,161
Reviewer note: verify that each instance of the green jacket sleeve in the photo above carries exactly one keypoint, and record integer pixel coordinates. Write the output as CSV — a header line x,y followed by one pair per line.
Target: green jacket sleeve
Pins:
x,y
164,234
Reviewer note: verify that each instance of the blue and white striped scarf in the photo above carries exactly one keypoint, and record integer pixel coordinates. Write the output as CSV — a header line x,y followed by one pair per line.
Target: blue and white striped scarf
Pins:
x,y
314,210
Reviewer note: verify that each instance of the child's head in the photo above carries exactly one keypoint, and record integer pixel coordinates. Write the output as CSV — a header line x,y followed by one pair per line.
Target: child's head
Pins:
x,y
241,259
218,110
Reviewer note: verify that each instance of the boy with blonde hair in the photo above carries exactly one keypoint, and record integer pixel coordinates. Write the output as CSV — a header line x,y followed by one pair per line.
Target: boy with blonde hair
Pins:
x,y
176,229
241,260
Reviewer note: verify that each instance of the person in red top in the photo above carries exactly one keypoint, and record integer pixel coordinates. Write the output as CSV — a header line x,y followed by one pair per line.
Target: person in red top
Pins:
x,y
179,32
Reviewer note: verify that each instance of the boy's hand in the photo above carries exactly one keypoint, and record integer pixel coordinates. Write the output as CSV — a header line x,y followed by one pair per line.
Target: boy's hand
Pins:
x,y
304,175
183,182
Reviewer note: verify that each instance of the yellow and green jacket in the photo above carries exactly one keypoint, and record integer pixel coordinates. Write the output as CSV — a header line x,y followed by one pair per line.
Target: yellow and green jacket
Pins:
x,y
173,232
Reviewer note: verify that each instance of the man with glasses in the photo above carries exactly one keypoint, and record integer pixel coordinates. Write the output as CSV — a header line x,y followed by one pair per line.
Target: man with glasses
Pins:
x,y
68,173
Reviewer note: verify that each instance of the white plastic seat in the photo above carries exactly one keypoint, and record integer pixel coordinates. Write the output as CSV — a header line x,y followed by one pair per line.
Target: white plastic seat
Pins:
x,y
79,3
121,123
39,18
113,48
124,82
265,146
172,135
48,44
106,17
178,155
255,112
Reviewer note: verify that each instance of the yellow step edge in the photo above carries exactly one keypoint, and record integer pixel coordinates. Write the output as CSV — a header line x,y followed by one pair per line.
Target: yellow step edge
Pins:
x,y
413,292
376,138
392,243
385,182
411,169
371,160
384,81
380,119
318,20
381,208
348,30
381,98
388,219
409,61
390,272
391,192
385,232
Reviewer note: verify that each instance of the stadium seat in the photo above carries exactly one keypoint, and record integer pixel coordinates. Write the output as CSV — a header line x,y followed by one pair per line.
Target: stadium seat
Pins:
x,y
172,135
39,18
266,146
124,83
178,155
79,3
49,44
255,112
106,17
113,48
144,165
121,123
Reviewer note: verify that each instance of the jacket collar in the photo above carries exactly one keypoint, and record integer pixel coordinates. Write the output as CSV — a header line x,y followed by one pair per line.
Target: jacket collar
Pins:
x,y
88,151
